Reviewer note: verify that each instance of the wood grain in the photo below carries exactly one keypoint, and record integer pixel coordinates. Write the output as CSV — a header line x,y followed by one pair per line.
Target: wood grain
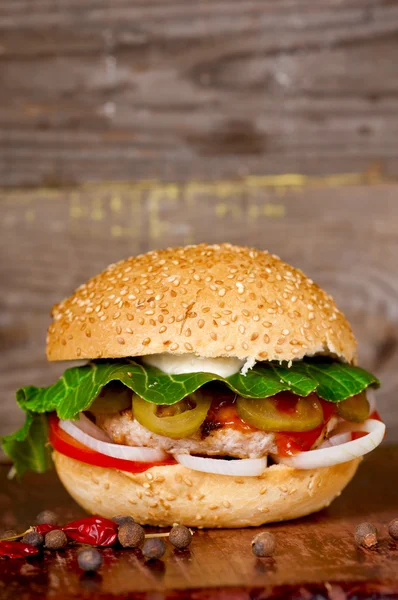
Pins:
x,y
122,90
52,240
316,557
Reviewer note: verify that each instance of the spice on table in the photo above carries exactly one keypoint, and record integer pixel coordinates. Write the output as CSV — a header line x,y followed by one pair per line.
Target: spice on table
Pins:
x,y
121,520
131,535
154,548
34,538
180,536
45,528
89,559
8,533
55,540
366,535
393,529
263,544
96,531
46,517
17,550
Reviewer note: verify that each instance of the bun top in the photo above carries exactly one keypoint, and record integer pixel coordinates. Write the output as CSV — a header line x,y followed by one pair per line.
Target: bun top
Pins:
x,y
212,301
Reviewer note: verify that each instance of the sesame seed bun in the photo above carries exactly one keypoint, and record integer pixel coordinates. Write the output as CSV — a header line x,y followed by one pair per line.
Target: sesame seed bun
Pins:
x,y
213,301
174,494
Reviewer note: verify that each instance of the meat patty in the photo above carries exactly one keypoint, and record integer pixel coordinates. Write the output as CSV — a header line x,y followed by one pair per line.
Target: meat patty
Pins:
x,y
122,428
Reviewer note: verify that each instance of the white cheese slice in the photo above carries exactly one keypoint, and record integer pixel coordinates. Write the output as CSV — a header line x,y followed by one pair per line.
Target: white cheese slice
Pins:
x,y
173,364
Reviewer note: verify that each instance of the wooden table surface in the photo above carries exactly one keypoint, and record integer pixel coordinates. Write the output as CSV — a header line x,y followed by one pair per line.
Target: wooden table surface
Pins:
x,y
316,556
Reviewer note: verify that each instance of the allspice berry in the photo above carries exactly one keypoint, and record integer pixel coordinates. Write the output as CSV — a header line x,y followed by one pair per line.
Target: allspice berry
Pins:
x,y
154,548
55,540
180,537
263,544
393,529
47,517
131,535
89,559
121,519
366,535
34,538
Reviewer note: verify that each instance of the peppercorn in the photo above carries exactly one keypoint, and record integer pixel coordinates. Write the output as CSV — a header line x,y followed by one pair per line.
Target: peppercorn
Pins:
x,y
47,517
366,535
393,529
263,544
154,548
131,535
89,559
180,537
121,520
55,539
8,533
34,538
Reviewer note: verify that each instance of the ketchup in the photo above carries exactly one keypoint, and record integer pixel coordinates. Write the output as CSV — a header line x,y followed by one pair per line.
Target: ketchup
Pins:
x,y
291,442
223,413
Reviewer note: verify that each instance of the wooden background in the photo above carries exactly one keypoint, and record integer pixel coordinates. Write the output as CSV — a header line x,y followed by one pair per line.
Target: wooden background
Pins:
x,y
129,125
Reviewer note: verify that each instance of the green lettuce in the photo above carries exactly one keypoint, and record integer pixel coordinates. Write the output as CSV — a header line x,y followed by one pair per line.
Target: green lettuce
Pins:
x,y
79,386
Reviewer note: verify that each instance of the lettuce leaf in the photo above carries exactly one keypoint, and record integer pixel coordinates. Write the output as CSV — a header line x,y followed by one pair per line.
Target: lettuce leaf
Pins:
x,y
79,386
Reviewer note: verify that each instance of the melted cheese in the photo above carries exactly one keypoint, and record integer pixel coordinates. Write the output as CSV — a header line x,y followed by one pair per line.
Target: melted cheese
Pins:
x,y
189,363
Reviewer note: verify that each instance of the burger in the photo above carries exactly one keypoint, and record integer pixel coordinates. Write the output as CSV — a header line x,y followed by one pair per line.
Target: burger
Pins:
x,y
219,389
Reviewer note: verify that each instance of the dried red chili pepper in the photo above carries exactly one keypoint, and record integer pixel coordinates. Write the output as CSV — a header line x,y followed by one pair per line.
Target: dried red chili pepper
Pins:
x,y
96,531
17,550
45,528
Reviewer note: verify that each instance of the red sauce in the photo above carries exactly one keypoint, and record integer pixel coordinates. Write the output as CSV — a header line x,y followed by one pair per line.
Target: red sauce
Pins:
x,y
223,413
290,442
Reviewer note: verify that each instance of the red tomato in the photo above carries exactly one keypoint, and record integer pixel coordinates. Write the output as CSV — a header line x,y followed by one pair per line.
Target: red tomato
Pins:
x,y
65,444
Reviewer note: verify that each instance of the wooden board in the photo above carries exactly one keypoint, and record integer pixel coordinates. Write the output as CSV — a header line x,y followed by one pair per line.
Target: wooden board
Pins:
x,y
316,557
344,236
131,90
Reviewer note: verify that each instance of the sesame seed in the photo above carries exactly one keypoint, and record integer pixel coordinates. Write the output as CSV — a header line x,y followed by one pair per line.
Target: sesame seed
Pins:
x,y
213,336
174,347
146,341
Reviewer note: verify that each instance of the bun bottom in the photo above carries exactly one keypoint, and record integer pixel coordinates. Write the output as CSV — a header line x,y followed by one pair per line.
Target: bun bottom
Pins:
x,y
174,494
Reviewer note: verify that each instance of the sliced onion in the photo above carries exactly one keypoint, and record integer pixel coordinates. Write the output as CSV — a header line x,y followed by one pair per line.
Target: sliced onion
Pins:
x,y
136,453
341,453
246,467
87,426
335,440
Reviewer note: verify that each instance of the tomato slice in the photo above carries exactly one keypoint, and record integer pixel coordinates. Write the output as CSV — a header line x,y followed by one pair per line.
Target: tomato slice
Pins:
x,y
65,444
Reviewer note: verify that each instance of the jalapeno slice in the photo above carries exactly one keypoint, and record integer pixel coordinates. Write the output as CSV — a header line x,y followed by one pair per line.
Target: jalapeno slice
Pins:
x,y
113,398
284,412
185,419
355,409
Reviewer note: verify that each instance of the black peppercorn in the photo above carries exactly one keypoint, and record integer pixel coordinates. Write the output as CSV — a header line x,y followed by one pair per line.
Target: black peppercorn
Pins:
x,y
393,529
34,538
154,548
180,537
47,517
121,520
89,559
366,535
263,544
131,535
55,539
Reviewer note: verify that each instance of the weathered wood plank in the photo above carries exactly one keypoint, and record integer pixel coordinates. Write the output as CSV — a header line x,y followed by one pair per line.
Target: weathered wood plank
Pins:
x,y
211,89
52,240
315,557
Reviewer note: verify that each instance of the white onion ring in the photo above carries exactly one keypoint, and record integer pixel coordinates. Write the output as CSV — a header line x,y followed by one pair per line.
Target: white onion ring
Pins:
x,y
136,453
341,453
246,467
87,426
